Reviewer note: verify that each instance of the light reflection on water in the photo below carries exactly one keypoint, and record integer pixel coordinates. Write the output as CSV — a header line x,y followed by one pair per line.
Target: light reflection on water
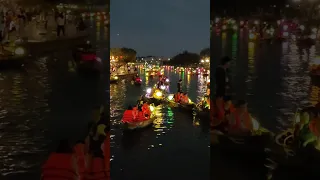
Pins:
x,y
39,105
171,129
23,107
273,77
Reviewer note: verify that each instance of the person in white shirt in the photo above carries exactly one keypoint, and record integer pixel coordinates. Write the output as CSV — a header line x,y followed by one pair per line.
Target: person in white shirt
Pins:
x,y
61,24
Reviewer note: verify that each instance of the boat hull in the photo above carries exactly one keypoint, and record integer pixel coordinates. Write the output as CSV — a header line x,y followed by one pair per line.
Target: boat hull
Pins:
x,y
241,144
138,125
189,108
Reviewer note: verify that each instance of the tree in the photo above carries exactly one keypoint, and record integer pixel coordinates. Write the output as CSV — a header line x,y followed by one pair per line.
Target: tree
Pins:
x,y
205,52
185,59
115,52
129,55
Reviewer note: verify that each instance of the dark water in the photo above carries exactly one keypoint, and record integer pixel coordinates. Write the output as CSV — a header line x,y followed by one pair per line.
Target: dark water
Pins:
x,y
176,146
42,103
273,78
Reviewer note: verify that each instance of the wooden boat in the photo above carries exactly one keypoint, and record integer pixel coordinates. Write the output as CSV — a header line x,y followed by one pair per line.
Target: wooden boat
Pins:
x,y
182,107
253,143
138,125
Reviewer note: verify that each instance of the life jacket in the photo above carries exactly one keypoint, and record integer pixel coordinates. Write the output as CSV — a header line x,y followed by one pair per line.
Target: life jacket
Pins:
x,y
185,99
181,97
97,170
88,57
81,158
135,112
177,97
146,109
127,116
238,124
313,127
59,166
141,117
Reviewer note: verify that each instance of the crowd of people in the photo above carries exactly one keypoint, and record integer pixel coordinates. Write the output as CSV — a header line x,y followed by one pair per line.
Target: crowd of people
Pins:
x,y
140,112
88,159
14,21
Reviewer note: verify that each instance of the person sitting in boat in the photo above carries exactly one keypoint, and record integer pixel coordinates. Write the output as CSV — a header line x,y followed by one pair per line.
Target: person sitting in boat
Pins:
x,y
146,110
177,97
135,113
301,128
62,163
184,98
222,109
128,115
240,121
309,132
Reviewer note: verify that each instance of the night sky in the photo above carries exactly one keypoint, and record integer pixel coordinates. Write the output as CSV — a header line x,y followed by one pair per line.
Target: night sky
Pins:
x,y
162,27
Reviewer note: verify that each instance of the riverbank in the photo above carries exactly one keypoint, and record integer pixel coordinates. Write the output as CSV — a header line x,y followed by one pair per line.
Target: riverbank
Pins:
x,y
39,47
126,76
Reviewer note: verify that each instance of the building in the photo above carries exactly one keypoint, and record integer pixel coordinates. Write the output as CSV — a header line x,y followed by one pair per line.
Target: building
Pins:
x,y
151,59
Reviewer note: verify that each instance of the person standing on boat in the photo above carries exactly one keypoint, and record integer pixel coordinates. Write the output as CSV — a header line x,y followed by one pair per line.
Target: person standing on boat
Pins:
x,y
179,86
221,77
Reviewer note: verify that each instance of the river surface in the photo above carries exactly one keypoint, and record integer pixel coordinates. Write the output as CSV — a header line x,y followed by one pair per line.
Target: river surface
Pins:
x,y
176,146
43,102
273,78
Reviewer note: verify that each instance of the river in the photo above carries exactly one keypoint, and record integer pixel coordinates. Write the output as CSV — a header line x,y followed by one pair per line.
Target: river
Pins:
x,y
273,78
176,146
43,102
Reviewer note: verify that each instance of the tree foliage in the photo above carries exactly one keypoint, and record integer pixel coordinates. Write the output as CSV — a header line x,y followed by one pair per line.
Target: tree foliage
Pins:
x,y
124,54
129,55
185,59
205,52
